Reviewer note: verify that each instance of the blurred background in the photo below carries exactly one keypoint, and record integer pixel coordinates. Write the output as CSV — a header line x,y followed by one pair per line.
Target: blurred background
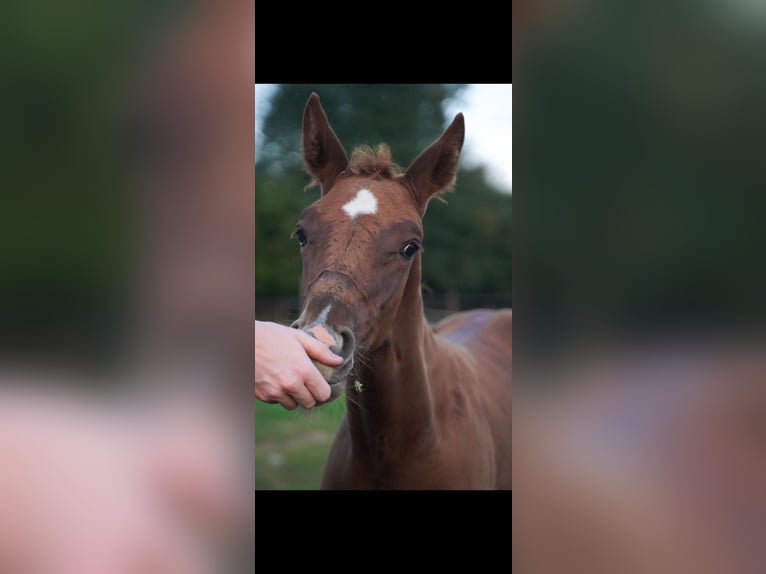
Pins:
x,y
63,221
639,407
467,240
641,180
122,171
126,243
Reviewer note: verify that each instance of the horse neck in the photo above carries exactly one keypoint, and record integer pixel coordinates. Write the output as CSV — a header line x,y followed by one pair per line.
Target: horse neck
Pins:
x,y
393,412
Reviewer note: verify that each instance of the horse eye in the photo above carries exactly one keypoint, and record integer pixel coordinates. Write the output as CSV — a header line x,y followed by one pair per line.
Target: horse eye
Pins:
x,y
410,250
301,236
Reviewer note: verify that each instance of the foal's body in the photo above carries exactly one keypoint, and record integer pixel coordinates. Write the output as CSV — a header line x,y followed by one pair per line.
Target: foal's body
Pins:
x,y
459,436
434,406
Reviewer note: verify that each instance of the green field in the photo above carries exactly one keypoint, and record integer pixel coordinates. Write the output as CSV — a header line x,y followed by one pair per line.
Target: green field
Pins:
x,y
291,446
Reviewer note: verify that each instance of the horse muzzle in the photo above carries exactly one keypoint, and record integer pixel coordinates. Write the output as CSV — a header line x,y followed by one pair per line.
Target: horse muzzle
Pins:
x,y
342,342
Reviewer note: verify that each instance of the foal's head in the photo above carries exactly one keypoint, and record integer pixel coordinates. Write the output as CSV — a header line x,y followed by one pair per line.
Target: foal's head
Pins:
x,y
362,238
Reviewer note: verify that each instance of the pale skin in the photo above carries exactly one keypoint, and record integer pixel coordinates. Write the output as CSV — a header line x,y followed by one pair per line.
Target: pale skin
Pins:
x,y
284,372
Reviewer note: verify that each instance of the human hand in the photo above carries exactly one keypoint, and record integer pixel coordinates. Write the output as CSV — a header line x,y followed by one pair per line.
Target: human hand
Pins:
x,y
284,372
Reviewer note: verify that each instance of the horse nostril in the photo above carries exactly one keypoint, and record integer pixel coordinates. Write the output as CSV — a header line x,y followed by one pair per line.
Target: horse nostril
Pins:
x,y
348,343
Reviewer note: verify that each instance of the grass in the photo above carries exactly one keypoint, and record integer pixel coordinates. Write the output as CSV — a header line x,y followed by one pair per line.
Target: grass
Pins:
x,y
291,447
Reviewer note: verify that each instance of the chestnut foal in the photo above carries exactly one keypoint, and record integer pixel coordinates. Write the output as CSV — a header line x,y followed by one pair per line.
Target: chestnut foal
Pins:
x,y
428,408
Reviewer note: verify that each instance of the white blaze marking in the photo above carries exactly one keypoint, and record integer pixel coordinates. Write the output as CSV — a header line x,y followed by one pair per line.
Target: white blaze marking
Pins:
x,y
321,318
364,202
323,315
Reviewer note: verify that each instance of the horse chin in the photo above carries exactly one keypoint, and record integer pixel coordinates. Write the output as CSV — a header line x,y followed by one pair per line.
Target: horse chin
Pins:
x,y
336,390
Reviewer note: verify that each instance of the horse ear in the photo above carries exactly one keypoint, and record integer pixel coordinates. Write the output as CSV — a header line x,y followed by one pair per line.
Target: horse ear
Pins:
x,y
323,154
436,167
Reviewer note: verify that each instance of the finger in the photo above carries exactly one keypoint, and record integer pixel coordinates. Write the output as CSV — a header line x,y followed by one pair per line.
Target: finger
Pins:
x,y
301,394
260,395
316,385
270,396
318,350
288,402
276,398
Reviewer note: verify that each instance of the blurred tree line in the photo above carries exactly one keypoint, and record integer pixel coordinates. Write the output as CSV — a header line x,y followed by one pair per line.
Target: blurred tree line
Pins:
x,y
467,247
67,69
642,182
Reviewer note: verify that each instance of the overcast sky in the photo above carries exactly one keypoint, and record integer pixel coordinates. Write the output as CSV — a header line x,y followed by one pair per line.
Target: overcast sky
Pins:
x,y
488,112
